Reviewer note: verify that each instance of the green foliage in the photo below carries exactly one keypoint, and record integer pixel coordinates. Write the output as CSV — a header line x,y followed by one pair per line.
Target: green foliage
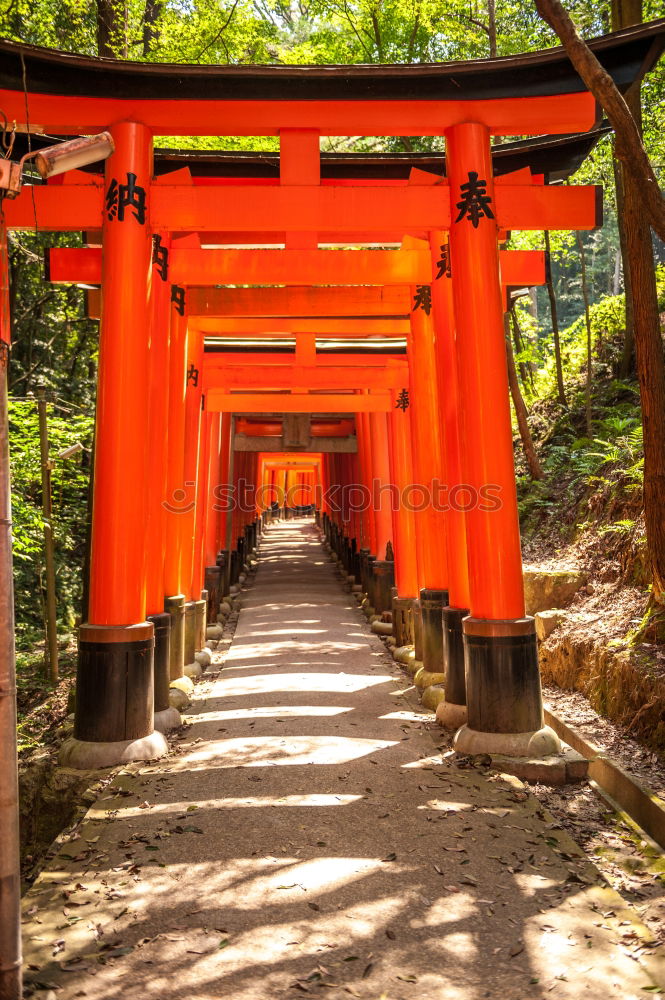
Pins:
x,y
69,489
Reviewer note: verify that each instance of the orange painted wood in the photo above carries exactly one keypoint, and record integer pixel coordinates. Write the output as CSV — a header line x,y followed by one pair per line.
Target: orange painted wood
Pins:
x,y
299,302
157,456
299,163
309,208
212,542
292,267
300,267
209,422
176,496
503,116
428,470
449,410
257,376
404,526
493,539
380,482
279,402
222,360
117,561
191,484
223,478
521,268
312,209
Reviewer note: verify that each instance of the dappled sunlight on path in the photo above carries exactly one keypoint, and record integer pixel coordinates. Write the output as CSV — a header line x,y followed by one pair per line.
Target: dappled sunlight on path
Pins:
x,y
309,838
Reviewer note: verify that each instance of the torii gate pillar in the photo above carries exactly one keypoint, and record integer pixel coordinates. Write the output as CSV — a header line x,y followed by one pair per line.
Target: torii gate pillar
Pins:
x,y
504,701
114,690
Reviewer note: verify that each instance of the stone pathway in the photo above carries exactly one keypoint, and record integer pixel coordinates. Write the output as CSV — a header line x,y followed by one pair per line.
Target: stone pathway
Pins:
x,y
308,838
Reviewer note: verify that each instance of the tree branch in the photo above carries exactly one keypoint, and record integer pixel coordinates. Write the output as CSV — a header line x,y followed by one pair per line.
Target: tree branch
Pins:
x,y
629,147
220,33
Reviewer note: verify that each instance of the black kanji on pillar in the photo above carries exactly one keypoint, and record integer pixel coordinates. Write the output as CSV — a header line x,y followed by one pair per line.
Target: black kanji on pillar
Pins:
x,y
403,402
160,257
423,299
475,201
120,197
443,263
193,374
178,299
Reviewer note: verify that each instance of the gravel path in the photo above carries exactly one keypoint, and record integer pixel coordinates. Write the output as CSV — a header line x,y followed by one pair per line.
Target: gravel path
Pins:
x,y
308,837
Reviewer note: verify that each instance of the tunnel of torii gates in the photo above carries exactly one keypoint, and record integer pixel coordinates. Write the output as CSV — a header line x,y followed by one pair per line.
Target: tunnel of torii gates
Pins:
x,y
307,329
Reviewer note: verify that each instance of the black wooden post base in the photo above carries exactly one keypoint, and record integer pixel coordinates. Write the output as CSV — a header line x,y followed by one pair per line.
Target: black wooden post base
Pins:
x,y
432,603
503,695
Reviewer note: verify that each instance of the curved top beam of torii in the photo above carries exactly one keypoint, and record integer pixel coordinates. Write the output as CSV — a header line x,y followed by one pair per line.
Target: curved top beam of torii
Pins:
x,y
69,94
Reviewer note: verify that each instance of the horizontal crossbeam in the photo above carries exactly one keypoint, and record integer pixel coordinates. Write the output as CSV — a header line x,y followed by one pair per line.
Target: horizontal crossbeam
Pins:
x,y
219,401
83,265
304,302
307,208
65,115
254,376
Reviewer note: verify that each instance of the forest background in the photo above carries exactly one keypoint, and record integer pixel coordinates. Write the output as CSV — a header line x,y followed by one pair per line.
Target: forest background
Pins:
x,y
580,460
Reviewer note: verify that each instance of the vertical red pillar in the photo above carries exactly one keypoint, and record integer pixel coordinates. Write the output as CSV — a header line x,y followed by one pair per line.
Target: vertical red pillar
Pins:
x,y
404,527
187,522
222,502
380,484
452,711
158,422
176,493
381,488
368,525
212,538
166,716
209,423
115,699
212,572
428,470
503,682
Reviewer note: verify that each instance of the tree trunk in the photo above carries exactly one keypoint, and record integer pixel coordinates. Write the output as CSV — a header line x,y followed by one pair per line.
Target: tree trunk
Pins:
x,y
629,146
651,375
106,28
491,26
520,409
112,28
561,390
643,206
627,360
526,371
624,14
151,15
587,320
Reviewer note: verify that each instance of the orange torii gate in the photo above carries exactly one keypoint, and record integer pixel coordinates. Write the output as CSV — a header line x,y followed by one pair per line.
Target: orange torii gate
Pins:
x,y
467,103
311,302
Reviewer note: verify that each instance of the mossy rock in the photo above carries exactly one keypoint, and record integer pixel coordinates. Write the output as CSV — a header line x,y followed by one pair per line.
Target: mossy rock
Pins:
x,y
546,589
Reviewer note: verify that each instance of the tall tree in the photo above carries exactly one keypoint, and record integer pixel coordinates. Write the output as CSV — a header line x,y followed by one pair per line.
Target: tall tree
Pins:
x,y
560,387
643,206
625,13
532,460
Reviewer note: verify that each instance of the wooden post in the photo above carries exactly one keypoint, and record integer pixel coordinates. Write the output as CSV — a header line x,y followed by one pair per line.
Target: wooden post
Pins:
x,y
114,693
428,471
504,700
10,870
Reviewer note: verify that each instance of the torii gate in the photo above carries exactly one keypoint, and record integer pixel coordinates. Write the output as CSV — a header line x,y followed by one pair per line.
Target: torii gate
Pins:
x,y
467,103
